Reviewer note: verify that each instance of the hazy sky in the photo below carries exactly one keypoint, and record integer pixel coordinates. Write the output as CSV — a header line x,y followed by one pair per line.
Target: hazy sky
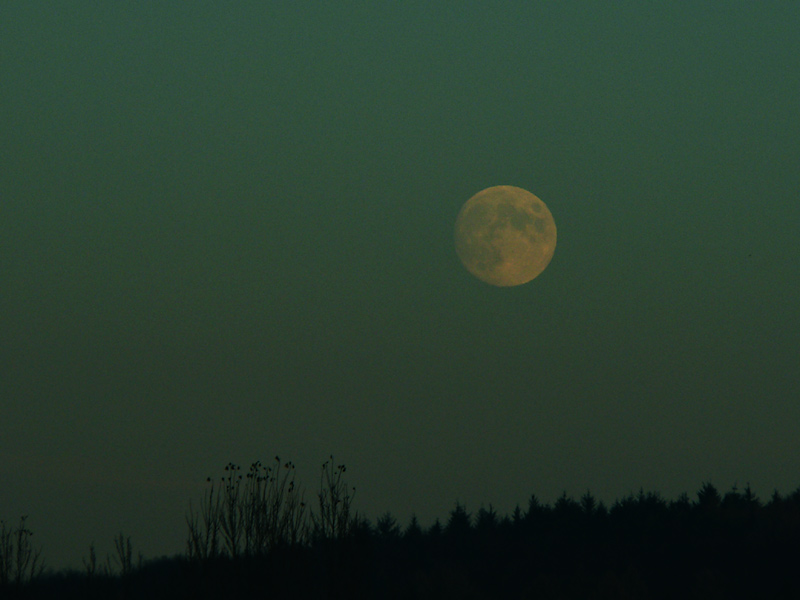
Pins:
x,y
226,233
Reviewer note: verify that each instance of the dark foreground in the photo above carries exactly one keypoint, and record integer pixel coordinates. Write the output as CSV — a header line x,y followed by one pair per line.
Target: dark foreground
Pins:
x,y
731,546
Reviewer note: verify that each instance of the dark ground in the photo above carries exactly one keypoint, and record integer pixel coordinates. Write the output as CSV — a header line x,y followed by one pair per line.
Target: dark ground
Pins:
x,y
717,546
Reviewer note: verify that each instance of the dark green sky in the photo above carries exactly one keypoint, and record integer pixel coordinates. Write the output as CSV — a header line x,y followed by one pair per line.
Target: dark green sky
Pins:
x,y
226,232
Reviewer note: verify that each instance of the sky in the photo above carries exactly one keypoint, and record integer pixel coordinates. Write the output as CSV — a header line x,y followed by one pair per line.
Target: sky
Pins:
x,y
226,233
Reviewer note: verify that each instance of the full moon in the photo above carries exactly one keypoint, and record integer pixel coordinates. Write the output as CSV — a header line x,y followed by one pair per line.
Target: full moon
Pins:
x,y
505,235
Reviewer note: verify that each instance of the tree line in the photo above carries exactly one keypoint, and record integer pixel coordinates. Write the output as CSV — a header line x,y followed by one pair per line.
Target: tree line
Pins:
x,y
253,535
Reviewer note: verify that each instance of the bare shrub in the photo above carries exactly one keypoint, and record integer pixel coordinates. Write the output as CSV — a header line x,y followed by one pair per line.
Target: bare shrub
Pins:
x,y
273,511
334,519
231,515
123,554
20,562
204,536
90,564
248,515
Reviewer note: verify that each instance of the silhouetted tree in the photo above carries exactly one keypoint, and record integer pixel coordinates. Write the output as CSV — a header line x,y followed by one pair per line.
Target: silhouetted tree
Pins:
x,y
708,499
435,530
413,532
387,527
536,510
459,524
588,504
517,516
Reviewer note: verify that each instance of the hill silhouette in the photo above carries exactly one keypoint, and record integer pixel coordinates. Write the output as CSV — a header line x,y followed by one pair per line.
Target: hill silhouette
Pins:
x,y
254,536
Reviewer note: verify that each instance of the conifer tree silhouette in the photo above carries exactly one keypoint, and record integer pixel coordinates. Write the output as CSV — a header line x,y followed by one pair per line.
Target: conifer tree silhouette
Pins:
x,y
387,527
413,532
459,524
708,499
